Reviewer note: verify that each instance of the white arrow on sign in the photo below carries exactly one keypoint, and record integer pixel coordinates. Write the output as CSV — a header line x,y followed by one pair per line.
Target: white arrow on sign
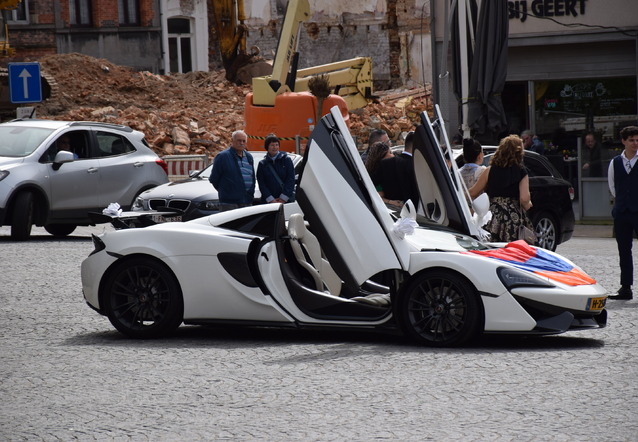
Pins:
x,y
25,75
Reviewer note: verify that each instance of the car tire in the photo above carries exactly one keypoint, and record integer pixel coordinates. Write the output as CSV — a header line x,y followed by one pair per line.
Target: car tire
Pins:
x,y
546,230
22,219
143,298
60,229
440,308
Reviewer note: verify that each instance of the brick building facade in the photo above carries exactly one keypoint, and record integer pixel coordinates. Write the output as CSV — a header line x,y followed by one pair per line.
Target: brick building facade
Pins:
x,y
126,32
137,33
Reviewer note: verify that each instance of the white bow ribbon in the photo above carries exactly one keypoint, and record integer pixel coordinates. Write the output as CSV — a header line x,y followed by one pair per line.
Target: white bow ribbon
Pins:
x,y
404,226
112,210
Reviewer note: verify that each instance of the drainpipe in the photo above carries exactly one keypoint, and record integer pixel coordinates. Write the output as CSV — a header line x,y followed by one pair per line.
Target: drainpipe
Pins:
x,y
435,64
163,37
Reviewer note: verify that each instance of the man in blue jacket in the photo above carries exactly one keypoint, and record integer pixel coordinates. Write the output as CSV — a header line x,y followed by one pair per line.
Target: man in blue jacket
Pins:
x,y
233,174
623,182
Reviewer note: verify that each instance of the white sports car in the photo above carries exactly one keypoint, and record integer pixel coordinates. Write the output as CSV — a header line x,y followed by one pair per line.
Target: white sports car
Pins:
x,y
339,259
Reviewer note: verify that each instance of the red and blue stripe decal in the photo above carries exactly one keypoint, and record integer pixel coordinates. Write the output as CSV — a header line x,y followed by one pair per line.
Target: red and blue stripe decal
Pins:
x,y
538,261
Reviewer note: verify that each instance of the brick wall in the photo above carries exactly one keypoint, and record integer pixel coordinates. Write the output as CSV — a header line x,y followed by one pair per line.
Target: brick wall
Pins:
x,y
148,15
49,32
33,43
37,38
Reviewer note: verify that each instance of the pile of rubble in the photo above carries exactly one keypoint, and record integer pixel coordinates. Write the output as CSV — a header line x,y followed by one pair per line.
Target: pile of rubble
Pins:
x,y
193,113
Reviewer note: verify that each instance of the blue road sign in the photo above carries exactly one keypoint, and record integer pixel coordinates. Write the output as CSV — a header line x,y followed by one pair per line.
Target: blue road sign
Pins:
x,y
25,85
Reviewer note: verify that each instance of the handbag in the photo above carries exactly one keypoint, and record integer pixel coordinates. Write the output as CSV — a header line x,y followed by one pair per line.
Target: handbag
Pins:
x,y
524,232
527,234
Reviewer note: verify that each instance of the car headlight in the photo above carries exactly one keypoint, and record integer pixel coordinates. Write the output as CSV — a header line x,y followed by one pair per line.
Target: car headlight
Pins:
x,y
3,174
208,205
511,278
138,204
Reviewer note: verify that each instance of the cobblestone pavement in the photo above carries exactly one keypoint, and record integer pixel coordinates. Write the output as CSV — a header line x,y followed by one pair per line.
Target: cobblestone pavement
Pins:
x,y
66,374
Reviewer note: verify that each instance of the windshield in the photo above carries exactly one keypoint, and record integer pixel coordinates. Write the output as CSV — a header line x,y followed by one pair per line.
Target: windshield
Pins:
x,y
205,174
19,141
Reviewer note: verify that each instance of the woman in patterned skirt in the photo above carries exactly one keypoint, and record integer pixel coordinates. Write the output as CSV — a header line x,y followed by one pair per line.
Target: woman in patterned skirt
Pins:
x,y
507,184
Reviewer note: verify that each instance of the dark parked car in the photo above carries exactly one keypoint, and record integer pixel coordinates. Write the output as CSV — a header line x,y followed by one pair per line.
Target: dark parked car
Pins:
x,y
552,213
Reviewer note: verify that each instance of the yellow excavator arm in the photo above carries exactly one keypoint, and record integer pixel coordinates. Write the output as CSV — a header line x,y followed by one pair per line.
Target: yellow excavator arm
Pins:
x,y
266,88
290,101
231,31
350,79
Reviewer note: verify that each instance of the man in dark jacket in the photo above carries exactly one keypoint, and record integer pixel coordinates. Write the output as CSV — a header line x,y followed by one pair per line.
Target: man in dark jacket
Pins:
x,y
623,183
397,182
233,174
276,174
375,136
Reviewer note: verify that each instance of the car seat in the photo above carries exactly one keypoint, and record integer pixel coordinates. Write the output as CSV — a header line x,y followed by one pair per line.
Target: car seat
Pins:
x,y
118,147
308,253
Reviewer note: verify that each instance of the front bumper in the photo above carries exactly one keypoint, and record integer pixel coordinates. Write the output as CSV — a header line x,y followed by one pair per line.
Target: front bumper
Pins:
x,y
551,319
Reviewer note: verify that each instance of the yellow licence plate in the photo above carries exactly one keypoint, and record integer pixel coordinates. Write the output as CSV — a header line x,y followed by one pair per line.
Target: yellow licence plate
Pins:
x,y
596,303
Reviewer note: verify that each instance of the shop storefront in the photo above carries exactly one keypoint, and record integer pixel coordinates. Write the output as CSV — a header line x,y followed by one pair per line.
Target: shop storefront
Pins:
x,y
579,121
572,68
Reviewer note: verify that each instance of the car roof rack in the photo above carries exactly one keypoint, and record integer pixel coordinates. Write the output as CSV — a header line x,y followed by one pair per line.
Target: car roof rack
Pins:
x,y
80,123
99,124
30,119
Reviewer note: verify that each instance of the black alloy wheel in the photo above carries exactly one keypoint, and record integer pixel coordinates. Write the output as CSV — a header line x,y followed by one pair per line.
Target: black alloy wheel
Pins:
x,y
143,298
440,308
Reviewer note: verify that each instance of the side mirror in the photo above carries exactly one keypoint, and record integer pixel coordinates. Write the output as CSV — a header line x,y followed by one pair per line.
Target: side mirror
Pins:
x,y
408,210
61,157
481,205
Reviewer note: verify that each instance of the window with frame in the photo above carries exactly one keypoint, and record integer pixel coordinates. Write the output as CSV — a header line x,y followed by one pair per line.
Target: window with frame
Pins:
x,y
110,144
19,15
80,12
128,11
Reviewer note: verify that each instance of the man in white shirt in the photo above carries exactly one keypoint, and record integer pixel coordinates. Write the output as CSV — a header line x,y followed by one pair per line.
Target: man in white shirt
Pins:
x,y
623,183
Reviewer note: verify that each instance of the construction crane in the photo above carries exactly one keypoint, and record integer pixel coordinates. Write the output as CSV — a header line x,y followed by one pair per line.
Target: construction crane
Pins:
x,y
281,103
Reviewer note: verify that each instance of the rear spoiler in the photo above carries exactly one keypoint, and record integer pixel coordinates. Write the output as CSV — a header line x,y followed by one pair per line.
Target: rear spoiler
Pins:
x,y
135,219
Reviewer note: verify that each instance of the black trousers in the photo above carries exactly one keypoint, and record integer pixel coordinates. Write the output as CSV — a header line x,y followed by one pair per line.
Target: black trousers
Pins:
x,y
625,225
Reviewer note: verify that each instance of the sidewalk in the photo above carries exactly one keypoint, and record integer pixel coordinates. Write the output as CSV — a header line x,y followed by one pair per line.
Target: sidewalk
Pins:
x,y
602,230
593,231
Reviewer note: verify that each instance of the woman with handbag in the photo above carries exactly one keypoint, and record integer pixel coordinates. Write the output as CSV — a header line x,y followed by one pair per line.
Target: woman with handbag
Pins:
x,y
506,182
276,174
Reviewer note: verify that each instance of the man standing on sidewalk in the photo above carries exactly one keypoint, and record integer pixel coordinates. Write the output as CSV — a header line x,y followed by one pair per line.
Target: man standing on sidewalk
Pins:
x,y
623,185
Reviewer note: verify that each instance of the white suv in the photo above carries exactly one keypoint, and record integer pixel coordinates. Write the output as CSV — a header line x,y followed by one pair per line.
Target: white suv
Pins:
x,y
53,173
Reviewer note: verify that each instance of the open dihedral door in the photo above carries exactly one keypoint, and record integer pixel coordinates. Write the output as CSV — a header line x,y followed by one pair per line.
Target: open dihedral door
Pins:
x,y
343,208
440,187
